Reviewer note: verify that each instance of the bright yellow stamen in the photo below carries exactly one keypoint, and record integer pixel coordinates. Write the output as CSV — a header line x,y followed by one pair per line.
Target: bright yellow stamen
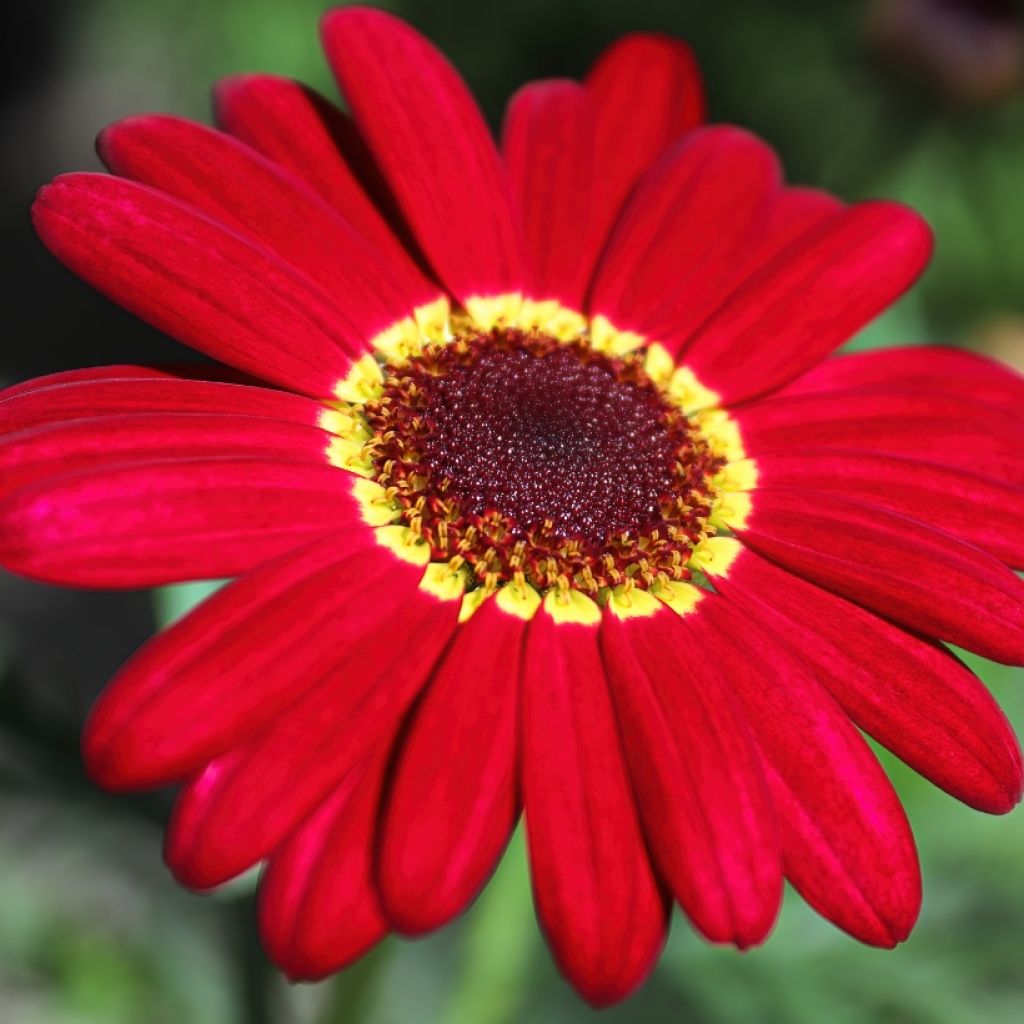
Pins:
x,y
715,556
605,337
731,510
659,365
376,507
490,311
682,598
349,455
689,393
363,383
571,607
628,602
443,582
433,320
550,317
737,476
403,543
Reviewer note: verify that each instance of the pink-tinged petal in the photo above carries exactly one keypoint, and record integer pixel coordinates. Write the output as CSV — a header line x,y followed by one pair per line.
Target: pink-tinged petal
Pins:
x,y
911,573
109,441
105,394
670,260
597,899
197,280
301,131
808,300
696,774
910,694
144,525
235,185
453,800
920,368
548,147
237,661
427,135
847,846
219,830
983,512
948,429
318,905
648,94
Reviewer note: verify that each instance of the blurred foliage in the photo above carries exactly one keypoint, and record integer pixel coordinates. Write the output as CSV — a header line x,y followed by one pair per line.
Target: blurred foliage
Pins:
x,y
95,932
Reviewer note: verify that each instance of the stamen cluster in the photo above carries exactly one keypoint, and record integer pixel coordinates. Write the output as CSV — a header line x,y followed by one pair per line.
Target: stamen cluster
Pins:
x,y
525,457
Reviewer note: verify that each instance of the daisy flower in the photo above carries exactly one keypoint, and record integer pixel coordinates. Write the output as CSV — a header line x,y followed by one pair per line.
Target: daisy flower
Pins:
x,y
545,495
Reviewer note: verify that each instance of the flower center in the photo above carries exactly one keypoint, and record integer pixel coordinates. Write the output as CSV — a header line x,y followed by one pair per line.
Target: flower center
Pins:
x,y
528,457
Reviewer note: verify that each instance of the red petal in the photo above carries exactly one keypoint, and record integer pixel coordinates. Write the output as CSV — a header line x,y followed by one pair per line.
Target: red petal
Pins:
x,y
920,368
596,896
95,444
947,429
548,146
238,187
810,299
696,774
101,392
433,146
670,259
846,843
318,908
301,131
204,685
900,568
648,93
145,525
987,513
453,802
196,280
910,694
221,828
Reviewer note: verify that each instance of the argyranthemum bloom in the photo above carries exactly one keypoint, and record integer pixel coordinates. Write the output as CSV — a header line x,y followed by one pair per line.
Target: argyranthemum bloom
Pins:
x,y
545,494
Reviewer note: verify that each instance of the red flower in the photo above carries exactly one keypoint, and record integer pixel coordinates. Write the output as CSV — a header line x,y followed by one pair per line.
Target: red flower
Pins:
x,y
550,499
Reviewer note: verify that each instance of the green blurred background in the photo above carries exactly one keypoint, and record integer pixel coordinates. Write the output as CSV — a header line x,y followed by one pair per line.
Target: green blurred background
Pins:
x,y
919,100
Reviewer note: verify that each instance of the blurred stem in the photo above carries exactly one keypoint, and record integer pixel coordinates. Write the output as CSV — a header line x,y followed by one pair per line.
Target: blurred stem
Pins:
x,y
254,969
351,994
500,943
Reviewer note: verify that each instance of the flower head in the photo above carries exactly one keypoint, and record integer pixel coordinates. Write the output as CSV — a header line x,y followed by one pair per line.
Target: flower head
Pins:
x,y
544,493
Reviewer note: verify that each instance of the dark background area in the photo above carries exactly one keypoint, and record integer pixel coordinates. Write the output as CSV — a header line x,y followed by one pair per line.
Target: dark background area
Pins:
x,y
919,100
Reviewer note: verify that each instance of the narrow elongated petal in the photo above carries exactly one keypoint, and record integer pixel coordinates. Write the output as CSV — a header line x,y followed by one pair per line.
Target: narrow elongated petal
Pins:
x,y
145,524
96,443
236,185
432,144
196,280
909,693
987,513
596,896
548,148
696,773
810,299
318,904
648,94
898,567
300,130
948,429
846,842
453,798
104,393
207,683
920,368
126,371
669,260
220,829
